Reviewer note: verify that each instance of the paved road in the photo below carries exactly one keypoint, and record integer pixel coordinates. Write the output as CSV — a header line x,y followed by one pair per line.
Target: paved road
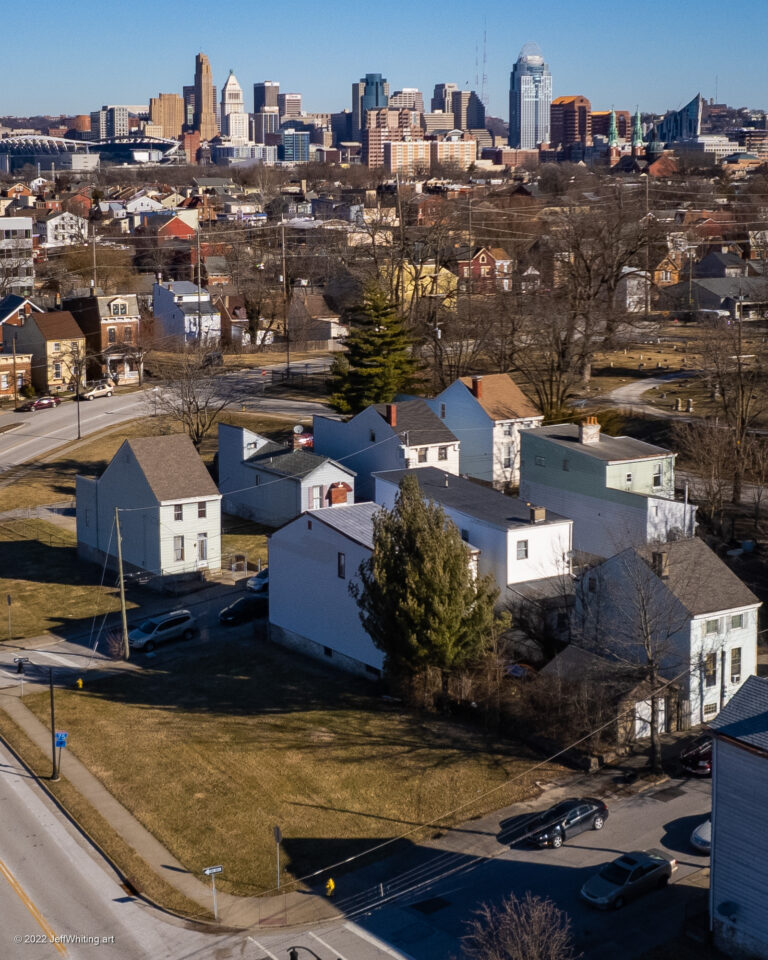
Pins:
x,y
630,395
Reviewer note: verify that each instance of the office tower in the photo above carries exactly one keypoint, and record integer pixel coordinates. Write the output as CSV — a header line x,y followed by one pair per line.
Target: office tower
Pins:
x,y
530,99
409,97
441,97
232,105
204,120
371,93
188,95
166,110
468,110
294,146
570,122
265,94
602,119
289,105
109,122
341,127
264,122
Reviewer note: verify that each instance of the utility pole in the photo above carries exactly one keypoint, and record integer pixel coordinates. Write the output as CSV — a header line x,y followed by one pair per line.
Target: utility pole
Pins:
x,y
285,306
93,249
199,292
647,283
15,381
124,617
55,774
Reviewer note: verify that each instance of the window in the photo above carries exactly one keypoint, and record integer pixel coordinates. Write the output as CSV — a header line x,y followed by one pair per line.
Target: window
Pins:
x,y
507,460
327,651
509,429
737,621
128,334
115,309
736,665
57,371
442,453
629,478
465,536
56,347
202,546
123,309
710,670
442,411
111,334
710,627
341,565
422,454
178,511
566,466
372,436
710,709
541,462
202,510
309,524
4,381
178,548
522,549
657,475
317,497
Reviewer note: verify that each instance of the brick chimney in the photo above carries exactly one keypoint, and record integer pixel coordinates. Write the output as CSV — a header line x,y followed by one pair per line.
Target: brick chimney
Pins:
x,y
392,414
660,564
537,514
338,493
589,430
477,387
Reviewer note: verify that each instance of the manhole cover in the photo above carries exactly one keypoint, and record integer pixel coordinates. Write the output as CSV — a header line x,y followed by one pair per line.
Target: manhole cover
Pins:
x,y
431,906
668,793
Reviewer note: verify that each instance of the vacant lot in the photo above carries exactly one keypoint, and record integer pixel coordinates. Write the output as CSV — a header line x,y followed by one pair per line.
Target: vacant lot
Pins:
x,y
213,750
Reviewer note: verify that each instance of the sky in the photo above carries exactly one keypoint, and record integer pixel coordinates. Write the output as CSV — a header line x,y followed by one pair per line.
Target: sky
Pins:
x,y
656,55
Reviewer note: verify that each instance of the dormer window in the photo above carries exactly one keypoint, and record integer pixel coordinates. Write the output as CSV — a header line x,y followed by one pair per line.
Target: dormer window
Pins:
x,y
119,308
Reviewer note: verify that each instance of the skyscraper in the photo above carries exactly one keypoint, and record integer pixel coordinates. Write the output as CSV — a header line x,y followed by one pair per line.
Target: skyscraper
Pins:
x,y
371,93
289,105
167,111
530,99
205,111
234,119
441,96
468,110
265,94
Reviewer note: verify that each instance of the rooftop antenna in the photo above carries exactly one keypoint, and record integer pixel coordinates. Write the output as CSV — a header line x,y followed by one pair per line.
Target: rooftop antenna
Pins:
x,y
716,78
484,78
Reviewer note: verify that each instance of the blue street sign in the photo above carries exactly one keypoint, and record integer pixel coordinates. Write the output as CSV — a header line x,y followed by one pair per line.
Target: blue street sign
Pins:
x,y
61,738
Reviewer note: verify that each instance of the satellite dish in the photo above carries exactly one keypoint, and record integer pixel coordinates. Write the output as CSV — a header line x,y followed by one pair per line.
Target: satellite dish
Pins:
x,y
298,429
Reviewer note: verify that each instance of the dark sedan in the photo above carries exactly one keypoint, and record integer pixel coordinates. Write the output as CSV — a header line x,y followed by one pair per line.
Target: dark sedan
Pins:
x,y
696,759
565,820
245,609
39,403
628,877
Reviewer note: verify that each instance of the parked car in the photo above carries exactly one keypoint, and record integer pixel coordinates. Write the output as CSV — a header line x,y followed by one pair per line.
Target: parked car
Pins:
x,y
39,403
244,609
697,758
162,628
701,838
259,583
97,388
629,876
565,820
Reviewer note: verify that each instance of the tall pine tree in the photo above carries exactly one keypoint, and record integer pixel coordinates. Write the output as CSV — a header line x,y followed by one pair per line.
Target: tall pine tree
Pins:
x,y
378,362
419,600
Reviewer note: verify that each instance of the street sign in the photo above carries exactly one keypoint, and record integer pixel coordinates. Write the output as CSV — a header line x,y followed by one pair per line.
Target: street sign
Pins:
x,y
209,871
61,738
278,835
9,599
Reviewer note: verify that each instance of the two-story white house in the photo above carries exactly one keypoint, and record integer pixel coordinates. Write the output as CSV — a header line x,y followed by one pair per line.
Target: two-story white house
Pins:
x,y
63,229
486,415
17,268
387,436
618,491
271,483
185,312
168,506
695,614
311,562
738,886
519,543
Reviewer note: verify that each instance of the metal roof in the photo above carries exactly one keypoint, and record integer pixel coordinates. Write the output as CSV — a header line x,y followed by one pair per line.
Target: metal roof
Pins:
x,y
745,716
354,520
609,449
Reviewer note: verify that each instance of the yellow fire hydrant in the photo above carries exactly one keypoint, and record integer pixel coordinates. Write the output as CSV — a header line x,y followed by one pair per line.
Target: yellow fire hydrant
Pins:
x,y
79,683
330,886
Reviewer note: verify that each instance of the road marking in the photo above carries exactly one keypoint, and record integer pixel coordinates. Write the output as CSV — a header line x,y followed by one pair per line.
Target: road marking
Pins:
x,y
328,946
53,656
262,947
379,944
16,886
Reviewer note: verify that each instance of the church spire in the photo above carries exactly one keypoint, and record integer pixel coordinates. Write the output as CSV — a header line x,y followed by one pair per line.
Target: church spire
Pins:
x,y
613,131
637,130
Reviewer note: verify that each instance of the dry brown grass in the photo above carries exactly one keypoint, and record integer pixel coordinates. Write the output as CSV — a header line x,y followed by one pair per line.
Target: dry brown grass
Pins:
x,y
212,751
125,858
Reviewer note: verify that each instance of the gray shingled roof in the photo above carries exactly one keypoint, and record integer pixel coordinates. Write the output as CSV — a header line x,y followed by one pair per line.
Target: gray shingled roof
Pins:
x,y
421,424
172,467
468,497
355,520
699,578
745,716
282,460
609,449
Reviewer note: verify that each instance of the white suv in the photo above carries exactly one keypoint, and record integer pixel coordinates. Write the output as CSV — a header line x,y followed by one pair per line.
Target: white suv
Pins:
x,y
99,388
162,627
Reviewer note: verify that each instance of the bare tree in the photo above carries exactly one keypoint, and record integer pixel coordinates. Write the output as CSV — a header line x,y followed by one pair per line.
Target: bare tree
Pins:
x,y
520,929
756,465
708,447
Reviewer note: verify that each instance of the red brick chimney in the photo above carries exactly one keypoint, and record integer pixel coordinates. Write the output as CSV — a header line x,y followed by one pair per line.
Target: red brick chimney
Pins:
x,y
392,414
477,387
338,493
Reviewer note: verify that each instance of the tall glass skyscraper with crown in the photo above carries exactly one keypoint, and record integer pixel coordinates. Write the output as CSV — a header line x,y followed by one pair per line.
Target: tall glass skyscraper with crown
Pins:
x,y
530,99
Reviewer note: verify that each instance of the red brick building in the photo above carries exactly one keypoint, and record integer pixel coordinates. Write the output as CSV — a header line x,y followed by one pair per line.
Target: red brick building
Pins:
x,y
112,328
19,367
601,123
489,270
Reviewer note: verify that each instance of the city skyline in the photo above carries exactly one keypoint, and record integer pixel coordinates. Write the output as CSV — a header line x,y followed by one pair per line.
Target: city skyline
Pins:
x,y
657,56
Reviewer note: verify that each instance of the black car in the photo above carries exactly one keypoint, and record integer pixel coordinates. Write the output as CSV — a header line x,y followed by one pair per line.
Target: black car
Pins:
x,y
697,758
244,609
565,820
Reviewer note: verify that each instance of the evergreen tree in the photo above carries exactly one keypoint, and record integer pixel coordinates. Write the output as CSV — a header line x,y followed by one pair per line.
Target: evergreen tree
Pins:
x,y
419,600
378,363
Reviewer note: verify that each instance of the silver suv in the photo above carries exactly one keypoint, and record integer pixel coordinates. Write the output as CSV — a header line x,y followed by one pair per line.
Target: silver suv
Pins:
x,y
161,628
98,388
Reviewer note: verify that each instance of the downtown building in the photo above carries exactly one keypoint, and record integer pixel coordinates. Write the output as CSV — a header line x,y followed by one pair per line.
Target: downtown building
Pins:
x,y
204,117
530,100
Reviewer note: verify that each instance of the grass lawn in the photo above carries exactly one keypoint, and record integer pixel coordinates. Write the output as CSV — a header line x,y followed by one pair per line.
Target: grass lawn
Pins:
x,y
49,587
242,537
215,749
